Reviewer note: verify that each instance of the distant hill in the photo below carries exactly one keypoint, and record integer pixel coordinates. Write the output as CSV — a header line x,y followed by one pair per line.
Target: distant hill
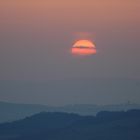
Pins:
x,y
12,111
63,126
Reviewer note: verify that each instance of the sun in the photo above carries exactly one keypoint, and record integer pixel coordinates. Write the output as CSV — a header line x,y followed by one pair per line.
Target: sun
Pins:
x,y
84,43
84,47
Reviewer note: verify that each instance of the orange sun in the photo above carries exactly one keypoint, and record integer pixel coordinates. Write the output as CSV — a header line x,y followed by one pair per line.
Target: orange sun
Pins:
x,y
84,47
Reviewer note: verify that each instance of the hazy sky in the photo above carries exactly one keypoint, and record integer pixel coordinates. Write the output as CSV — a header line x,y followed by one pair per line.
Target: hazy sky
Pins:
x,y
35,43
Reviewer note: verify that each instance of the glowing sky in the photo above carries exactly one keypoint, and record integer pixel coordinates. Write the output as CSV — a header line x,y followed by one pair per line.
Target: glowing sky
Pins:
x,y
36,38
77,15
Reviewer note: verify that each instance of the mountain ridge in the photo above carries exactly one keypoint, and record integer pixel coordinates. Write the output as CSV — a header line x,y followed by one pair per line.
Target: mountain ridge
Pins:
x,y
60,126
15,111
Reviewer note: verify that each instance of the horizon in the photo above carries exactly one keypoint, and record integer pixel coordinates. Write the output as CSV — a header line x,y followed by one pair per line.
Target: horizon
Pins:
x,y
66,105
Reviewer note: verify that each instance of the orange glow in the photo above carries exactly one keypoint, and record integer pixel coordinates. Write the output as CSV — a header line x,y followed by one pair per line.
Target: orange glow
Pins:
x,y
84,47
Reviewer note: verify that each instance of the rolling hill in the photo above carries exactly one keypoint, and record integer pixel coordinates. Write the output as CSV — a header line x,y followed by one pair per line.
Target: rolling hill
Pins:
x,y
13,111
64,126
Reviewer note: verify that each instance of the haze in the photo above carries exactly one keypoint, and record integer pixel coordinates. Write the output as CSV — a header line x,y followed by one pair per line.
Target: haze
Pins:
x,y
36,64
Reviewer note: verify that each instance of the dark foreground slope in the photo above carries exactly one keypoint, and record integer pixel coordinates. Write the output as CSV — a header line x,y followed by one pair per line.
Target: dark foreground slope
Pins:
x,y
63,126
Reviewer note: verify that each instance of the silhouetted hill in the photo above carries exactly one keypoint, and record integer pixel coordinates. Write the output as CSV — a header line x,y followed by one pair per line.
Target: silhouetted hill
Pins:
x,y
13,111
63,126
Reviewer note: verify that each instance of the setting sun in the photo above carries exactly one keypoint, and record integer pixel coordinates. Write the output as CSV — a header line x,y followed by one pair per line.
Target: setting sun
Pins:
x,y
84,47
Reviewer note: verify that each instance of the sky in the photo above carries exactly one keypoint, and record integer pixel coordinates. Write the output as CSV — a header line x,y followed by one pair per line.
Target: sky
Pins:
x,y
36,64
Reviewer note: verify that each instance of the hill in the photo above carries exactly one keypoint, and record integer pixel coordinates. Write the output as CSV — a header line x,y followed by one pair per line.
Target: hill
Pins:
x,y
63,126
14,111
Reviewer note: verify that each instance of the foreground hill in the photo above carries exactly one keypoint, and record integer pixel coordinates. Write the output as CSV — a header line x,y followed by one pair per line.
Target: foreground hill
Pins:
x,y
12,111
63,126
